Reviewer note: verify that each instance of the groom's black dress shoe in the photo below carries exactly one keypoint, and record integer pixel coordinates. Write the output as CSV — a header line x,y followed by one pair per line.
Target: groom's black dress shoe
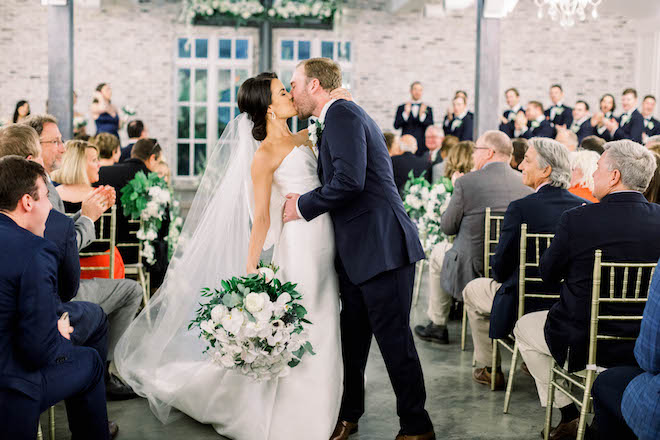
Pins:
x,y
343,430
426,436
115,389
433,333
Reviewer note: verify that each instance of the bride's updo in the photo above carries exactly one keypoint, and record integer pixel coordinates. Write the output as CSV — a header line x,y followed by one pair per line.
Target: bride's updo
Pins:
x,y
254,97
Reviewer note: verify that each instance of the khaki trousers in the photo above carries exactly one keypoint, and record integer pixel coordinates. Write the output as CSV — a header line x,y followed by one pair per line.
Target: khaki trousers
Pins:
x,y
478,298
439,299
536,354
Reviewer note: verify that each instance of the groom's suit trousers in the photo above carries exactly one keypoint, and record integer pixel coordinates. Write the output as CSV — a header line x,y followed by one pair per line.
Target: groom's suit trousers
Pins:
x,y
380,308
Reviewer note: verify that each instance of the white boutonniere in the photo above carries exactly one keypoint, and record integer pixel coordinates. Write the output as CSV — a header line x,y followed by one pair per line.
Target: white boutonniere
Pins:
x,y
575,128
625,118
315,132
456,123
650,125
535,124
559,110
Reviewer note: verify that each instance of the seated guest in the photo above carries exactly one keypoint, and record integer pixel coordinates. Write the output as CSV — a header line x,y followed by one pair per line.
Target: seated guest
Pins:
x,y
651,124
433,139
519,150
625,227
652,193
626,398
79,170
508,119
493,185
108,147
460,160
630,124
136,131
583,166
392,142
414,116
39,365
493,302
593,143
406,162
582,121
533,123
460,122
600,120
438,170
567,138
164,172
558,114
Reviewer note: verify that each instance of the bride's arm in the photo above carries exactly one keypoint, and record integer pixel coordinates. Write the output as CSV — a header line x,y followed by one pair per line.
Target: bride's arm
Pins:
x,y
262,180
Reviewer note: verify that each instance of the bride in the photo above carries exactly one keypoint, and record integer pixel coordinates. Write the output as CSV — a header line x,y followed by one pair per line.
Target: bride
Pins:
x,y
255,163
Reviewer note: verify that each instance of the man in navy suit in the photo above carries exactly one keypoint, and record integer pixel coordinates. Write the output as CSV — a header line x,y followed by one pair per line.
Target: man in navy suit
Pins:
x,y
377,247
533,123
414,116
136,131
547,170
582,121
508,119
558,114
460,122
651,124
624,225
630,125
38,364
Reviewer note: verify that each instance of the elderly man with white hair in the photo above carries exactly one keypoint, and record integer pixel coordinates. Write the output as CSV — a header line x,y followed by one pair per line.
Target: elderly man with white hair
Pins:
x,y
583,165
493,185
492,303
624,226
407,161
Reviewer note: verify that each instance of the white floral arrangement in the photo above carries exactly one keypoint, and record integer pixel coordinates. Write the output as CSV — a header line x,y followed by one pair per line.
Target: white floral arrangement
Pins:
x,y
243,10
176,225
128,111
429,224
254,325
79,122
415,196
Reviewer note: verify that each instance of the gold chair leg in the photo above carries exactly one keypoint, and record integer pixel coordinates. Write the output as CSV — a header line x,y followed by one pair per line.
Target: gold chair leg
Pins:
x,y
40,435
51,423
464,324
582,424
550,402
418,281
493,365
512,373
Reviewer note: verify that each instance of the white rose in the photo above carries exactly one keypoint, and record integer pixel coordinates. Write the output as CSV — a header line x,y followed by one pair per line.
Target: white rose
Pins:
x,y
245,15
267,272
141,235
266,312
254,302
217,313
271,12
151,235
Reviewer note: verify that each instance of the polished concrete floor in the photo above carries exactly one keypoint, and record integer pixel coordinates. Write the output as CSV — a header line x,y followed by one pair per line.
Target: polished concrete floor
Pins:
x,y
460,408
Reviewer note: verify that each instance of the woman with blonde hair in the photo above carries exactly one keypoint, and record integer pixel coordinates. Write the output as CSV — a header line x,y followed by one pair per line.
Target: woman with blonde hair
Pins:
x,y
79,170
583,165
459,160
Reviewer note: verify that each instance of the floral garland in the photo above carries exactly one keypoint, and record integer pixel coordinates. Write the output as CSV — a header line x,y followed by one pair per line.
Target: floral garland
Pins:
x,y
176,225
243,10
148,198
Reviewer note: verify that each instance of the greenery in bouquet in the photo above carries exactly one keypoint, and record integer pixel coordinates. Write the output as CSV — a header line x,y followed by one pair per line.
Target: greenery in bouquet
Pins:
x,y
147,198
415,195
254,324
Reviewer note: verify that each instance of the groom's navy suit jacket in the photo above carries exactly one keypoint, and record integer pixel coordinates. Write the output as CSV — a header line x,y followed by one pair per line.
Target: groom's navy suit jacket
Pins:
x,y
373,233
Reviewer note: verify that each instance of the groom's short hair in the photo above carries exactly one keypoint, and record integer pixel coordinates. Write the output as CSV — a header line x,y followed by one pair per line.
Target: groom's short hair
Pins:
x,y
325,70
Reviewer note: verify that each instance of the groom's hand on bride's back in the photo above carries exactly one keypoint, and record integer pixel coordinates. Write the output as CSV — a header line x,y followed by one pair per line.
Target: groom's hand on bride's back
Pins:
x,y
290,209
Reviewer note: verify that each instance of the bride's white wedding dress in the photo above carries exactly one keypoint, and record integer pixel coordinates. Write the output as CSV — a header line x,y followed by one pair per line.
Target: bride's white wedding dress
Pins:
x,y
305,404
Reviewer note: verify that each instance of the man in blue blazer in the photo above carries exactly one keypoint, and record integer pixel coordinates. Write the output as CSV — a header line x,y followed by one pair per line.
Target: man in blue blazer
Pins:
x,y
533,123
414,117
626,398
461,121
508,119
547,170
38,364
377,247
582,121
630,125
558,114
651,124
624,226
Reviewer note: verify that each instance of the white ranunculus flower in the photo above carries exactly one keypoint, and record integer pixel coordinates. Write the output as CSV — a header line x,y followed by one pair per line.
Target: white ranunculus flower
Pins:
x,y
267,272
217,313
254,302
232,322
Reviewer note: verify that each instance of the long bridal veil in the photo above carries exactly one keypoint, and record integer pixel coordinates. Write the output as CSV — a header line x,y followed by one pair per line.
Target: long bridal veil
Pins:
x,y
213,246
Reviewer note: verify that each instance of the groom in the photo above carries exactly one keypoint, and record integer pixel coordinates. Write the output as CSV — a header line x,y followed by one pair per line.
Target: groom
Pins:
x,y
377,246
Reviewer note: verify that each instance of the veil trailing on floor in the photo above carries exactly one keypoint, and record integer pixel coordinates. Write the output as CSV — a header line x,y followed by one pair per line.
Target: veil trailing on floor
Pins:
x,y
213,246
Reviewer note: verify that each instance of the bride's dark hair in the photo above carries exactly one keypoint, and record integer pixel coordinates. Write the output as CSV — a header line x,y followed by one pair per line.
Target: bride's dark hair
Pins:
x,y
254,97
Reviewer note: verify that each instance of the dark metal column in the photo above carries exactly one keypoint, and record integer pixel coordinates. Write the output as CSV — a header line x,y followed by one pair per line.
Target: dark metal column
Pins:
x,y
487,83
266,42
60,66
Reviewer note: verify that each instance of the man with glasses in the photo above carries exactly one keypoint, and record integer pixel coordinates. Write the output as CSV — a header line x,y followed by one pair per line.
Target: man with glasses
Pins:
x,y
493,185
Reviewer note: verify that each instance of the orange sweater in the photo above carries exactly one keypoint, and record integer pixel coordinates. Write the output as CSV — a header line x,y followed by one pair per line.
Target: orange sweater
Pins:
x,y
583,192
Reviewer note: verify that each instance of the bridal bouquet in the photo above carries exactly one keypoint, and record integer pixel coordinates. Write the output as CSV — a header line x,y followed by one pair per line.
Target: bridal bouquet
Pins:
x,y
255,325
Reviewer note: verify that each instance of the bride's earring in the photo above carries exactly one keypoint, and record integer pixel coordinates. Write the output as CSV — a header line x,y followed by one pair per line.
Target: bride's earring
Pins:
x,y
272,115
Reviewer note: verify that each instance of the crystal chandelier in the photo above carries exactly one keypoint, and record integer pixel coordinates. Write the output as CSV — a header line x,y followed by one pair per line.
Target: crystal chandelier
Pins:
x,y
567,10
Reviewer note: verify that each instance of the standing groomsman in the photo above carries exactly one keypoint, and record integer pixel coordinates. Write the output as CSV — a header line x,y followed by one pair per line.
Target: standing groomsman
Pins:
x,y
558,113
533,123
460,122
508,119
630,124
651,124
414,116
582,121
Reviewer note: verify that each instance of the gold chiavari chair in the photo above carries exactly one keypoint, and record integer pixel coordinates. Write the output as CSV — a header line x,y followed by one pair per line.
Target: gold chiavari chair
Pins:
x,y
623,292
492,227
136,269
51,425
532,247
106,234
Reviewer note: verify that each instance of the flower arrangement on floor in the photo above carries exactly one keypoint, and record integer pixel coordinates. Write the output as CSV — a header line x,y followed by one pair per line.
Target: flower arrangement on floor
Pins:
x,y
243,10
176,225
425,204
254,324
147,198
